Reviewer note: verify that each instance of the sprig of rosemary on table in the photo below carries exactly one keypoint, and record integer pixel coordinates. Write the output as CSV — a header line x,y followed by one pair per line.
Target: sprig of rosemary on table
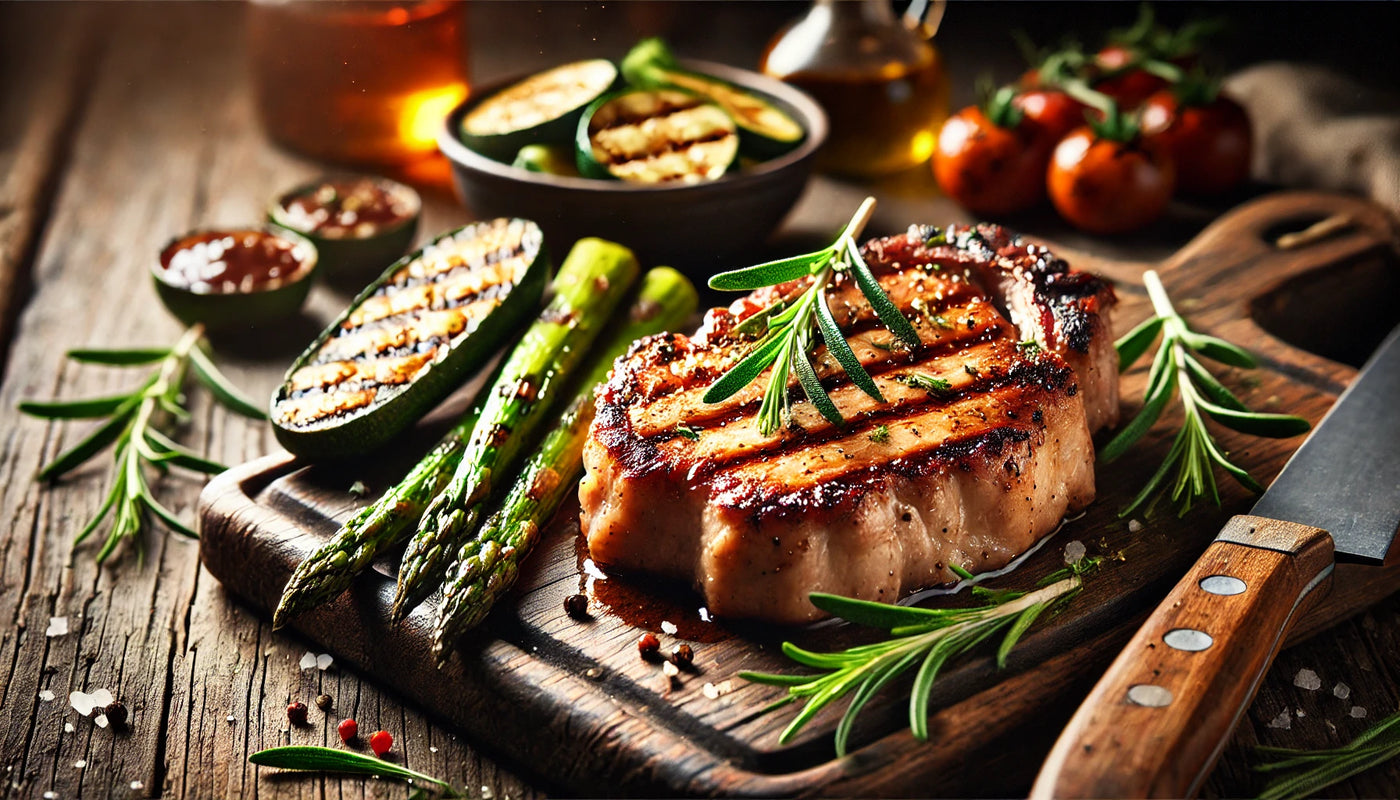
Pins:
x,y
308,758
1176,368
133,423
925,636
1309,771
790,329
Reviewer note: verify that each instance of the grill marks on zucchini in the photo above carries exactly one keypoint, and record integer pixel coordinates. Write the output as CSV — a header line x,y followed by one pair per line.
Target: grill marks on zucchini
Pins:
x,y
657,137
544,107
403,327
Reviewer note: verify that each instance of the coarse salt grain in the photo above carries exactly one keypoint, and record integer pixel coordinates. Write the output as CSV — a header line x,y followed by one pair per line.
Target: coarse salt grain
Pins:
x,y
82,702
45,696
1301,713
50,795
432,749
1283,721
1307,679
1074,552
1134,526
324,661
102,698
230,719
669,669
80,763
68,727
308,660
669,628
58,626
137,786
1341,691
100,720
1357,712
710,691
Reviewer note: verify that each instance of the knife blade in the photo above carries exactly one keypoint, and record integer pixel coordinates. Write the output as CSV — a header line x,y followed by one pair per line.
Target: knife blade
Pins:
x,y
1156,722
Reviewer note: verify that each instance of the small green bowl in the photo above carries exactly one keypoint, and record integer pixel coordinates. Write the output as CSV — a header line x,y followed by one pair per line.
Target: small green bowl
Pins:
x,y
223,304
352,261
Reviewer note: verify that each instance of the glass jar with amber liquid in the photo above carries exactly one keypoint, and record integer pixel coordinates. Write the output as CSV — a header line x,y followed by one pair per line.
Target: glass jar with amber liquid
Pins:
x,y
357,81
878,76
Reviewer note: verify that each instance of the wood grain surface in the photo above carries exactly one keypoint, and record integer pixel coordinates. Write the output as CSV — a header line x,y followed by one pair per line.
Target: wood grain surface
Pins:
x,y
120,127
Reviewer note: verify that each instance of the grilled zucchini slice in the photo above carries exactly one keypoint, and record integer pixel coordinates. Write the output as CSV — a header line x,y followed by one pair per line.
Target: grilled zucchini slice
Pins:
x,y
543,108
552,159
765,130
656,136
410,338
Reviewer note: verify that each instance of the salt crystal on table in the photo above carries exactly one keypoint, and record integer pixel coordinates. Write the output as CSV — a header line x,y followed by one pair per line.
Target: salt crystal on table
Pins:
x,y
230,719
50,795
1074,552
100,720
1283,721
80,763
1357,712
58,626
669,628
45,696
1134,526
1301,713
1307,679
710,691
308,660
102,698
137,786
82,702
68,727
432,749
324,661
1341,691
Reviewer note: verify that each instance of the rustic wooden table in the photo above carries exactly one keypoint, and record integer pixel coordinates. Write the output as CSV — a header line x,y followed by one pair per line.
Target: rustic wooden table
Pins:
x,y
120,127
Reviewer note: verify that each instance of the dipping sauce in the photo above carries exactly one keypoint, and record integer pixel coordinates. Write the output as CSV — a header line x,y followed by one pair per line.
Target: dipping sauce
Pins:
x,y
354,208
234,262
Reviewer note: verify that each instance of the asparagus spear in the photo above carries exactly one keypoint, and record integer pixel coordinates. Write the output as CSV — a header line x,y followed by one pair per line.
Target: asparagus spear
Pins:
x,y
487,566
593,279
330,570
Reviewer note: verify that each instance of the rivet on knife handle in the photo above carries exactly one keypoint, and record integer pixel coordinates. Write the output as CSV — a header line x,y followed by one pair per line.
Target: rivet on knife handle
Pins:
x,y
1154,725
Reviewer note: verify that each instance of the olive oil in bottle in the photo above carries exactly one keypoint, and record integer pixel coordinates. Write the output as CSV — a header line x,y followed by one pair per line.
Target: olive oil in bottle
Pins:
x,y
879,78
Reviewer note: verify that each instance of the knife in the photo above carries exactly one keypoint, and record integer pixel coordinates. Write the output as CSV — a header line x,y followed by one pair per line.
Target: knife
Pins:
x,y
1156,722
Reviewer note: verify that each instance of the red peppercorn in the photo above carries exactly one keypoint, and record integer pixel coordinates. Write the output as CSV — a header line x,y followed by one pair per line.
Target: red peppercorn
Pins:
x,y
348,729
648,646
296,713
380,742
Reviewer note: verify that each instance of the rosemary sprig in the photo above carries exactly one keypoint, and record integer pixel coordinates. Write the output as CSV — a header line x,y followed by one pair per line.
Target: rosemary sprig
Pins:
x,y
325,759
1176,369
789,330
926,636
1308,772
133,424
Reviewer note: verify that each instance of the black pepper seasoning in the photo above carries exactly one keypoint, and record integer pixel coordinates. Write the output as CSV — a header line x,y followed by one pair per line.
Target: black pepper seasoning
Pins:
x,y
682,655
116,713
323,702
576,606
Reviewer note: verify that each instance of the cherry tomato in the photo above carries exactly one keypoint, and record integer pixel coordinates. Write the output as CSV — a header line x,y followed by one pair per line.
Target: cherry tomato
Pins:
x,y
1210,144
1132,87
988,169
1053,112
1104,186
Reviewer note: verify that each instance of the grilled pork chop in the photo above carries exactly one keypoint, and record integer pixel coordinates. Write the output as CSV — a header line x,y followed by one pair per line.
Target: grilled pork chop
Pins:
x,y
970,472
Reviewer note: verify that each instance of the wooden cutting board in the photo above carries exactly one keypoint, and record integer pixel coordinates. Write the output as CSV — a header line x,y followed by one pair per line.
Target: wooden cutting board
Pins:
x,y
572,703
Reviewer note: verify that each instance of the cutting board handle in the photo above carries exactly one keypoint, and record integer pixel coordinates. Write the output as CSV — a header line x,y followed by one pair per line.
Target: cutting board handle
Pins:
x,y
1155,723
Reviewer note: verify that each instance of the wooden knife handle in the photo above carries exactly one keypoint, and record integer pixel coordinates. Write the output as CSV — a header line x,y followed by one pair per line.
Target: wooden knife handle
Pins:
x,y
1156,722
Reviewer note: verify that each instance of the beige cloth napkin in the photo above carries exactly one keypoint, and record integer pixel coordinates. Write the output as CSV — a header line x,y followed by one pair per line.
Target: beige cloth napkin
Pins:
x,y
1317,128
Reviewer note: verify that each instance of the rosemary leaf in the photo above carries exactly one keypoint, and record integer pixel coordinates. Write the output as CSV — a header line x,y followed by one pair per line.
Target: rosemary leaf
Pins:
x,y
129,357
1177,372
771,273
1315,770
326,759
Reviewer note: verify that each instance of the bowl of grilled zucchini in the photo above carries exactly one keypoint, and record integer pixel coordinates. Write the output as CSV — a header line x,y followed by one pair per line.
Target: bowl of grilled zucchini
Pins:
x,y
685,162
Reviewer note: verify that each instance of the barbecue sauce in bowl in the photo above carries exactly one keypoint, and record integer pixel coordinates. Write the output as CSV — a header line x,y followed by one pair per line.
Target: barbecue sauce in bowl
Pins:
x,y
225,278
360,225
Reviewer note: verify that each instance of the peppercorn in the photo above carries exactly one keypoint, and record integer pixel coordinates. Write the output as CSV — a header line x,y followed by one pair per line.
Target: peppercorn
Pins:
x,y
576,606
682,655
296,713
380,742
116,713
649,646
348,729
323,702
